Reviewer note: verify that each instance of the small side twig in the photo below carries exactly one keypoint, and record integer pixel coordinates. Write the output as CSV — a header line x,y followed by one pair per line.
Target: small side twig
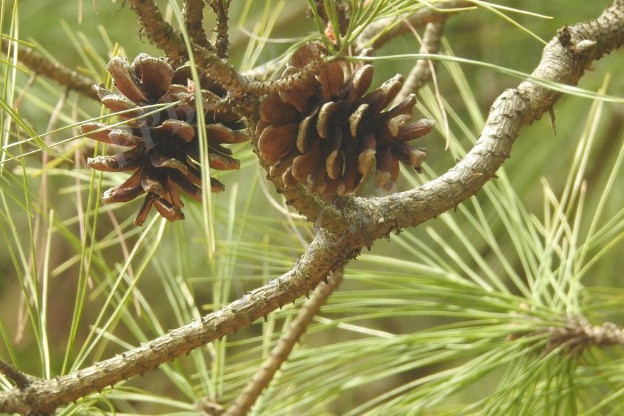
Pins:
x,y
157,30
161,34
377,33
20,379
193,17
221,9
41,65
280,353
422,71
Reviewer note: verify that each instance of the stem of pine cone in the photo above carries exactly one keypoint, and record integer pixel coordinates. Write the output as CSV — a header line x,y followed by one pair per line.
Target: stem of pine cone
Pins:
x,y
161,34
280,353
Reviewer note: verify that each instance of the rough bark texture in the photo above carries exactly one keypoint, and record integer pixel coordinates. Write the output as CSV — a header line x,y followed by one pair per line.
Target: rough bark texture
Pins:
x,y
352,223
41,65
280,353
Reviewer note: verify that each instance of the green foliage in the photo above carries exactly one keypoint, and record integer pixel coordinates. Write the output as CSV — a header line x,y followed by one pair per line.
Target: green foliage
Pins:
x,y
452,317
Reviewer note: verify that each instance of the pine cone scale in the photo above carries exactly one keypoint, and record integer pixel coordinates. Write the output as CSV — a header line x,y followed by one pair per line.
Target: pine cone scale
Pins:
x,y
126,80
126,191
156,75
276,142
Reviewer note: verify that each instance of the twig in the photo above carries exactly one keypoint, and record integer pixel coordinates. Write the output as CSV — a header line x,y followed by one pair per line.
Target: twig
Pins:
x,y
422,71
20,379
280,353
377,33
161,34
157,30
355,222
193,17
221,9
39,64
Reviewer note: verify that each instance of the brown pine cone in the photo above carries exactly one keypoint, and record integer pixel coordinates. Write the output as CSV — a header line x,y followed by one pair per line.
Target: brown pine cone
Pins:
x,y
326,132
164,145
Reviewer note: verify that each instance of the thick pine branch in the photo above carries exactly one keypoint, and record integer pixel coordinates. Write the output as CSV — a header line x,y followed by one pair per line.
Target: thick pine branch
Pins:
x,y
320,257
353,223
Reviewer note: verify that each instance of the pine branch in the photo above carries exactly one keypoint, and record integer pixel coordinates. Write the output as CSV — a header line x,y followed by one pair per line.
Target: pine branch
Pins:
x,y
579,334
158,31
193,17
41,65
422,71
46,395
377,33
20,379
280,353
161,34
221,9
352,223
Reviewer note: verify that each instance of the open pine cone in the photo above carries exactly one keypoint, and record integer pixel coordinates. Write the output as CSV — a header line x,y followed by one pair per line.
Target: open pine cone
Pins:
x,y
326,132
164,145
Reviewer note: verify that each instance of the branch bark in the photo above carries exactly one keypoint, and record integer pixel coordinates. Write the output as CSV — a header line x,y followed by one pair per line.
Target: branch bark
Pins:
x,y
157,30
41,65
221,9
193,18
352,223
161,34
422,71
381,31
280,353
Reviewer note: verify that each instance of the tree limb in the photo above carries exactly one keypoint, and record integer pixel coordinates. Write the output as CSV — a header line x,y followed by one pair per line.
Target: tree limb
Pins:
x,y
46,395
20,379
161,34
579,334
354,222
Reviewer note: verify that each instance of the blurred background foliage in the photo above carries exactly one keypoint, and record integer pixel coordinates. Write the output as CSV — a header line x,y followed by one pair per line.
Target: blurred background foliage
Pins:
x,y
79,282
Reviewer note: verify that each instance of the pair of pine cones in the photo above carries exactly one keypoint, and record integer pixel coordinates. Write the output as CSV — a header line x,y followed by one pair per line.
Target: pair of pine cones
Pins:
x,y
324,133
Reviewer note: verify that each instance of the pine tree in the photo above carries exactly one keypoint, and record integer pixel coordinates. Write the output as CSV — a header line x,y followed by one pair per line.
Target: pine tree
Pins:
x,y
492,286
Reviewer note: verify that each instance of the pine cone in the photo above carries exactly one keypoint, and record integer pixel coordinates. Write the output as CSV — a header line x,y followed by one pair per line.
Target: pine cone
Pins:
x,y
325,133
164,145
